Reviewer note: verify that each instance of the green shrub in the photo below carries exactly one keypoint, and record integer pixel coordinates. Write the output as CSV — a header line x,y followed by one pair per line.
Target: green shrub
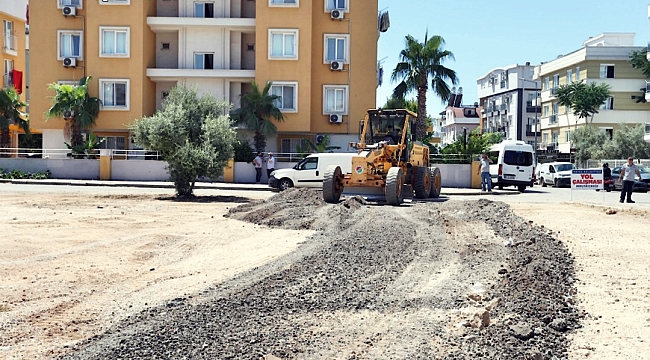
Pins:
x,y
19,174
244,152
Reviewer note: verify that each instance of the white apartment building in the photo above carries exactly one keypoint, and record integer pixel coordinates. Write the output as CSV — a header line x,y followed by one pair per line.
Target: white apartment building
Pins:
x,y
507,97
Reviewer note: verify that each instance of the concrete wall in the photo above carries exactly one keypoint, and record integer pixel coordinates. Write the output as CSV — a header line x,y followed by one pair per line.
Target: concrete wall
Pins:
x,y
78,169
139,170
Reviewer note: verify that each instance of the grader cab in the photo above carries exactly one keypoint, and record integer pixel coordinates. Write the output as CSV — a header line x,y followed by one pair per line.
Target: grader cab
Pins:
x,y
389,157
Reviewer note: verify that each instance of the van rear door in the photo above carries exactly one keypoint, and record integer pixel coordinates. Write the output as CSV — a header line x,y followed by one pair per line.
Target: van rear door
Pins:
x,y
517,165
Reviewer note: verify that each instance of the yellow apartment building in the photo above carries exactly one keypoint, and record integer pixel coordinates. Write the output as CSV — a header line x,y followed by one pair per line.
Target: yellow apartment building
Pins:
x,y
321,56
602,59
14,16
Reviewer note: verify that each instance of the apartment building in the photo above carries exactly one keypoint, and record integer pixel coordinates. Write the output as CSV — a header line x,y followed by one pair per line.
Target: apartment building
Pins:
x,y
601,59
14,17
458,119
507,98
320,56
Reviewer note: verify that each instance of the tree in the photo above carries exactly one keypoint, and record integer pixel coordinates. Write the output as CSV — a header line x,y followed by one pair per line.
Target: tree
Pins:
x,y
638,60
584,99
191,134
11,112
590,143
257,111
628,141
476,143
418,62
76,106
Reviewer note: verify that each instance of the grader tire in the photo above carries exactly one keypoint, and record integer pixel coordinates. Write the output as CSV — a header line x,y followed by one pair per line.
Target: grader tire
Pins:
x,y
421,182
394,184
436,182
332,184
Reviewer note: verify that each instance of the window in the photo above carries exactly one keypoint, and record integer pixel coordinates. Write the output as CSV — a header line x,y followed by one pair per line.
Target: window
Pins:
x,y
112,142
577,73
283,44
310,163
556,136
204,61
336,5
335,99
10,41
288,96
531,98
115,2
517,158
283,3
114,42
606,71
567,136
114,94
9,65
569,76
204,9
567,109
70,44
556,80
68,82
556,108
608,104
336,48
545,111
291,145
75,3
547,81
545,138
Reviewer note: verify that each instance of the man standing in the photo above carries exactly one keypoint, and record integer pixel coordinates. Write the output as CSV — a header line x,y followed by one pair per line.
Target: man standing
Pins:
x,y
258,167
270,165
627,174
484,171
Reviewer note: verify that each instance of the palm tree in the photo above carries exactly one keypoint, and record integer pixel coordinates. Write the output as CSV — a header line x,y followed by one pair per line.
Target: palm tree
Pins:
x,y
584,99
11,112
258,108
418,62
77,108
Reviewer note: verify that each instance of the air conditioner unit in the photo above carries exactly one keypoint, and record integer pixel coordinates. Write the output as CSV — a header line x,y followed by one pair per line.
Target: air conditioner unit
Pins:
x,y
336,14
68,114
336,118
69,11
336,65
69,62
319,139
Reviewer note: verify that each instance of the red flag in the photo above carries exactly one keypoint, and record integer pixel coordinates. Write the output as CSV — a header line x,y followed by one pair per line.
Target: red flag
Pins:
x,y
17,80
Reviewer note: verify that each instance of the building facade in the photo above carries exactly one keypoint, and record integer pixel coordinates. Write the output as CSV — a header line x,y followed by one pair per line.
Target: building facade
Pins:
x,y
601,59
507,99
14,46
320,56
458,120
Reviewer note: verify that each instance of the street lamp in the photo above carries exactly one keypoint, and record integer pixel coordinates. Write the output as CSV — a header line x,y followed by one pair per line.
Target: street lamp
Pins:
x,y
537,89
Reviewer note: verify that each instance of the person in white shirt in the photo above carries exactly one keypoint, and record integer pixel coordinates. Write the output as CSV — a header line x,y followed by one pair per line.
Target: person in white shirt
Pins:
x,y
270,165
258,167
484,171
627,174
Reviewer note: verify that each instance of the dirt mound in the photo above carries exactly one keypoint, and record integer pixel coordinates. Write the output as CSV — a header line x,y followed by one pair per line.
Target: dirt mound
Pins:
x,y
376,282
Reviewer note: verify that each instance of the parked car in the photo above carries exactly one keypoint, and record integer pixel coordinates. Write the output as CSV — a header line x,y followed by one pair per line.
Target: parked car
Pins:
x,y
555,173
513,164
640,185
309,171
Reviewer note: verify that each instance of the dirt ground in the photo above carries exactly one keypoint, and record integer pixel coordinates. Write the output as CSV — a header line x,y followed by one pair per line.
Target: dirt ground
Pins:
x,y
72,266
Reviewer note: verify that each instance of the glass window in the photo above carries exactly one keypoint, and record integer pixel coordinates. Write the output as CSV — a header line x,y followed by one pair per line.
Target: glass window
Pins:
x,y
335,99
608,104
567,136
577,73
114,93
547,83
283,44
75,3
204,61
569,76
283,2
336,48
287,96
556,80
112,142
606,71
69,44
115,41
203,9
335,5
518,158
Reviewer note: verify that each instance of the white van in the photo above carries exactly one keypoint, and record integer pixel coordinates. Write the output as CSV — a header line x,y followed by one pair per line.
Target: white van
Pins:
x,y
309,171
513,164
555,173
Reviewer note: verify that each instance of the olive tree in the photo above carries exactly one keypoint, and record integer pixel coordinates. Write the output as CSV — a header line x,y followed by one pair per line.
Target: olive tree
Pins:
x,y
191,134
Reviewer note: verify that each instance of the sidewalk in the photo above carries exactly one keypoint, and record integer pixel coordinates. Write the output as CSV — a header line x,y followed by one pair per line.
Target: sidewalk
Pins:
x,y
215,186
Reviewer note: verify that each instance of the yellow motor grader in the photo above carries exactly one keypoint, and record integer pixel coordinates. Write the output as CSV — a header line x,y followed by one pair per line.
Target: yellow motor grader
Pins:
x,y
389,157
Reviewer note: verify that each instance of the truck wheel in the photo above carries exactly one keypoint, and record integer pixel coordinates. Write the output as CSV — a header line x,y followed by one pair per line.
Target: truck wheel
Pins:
x,y
436,182
421,182
332,184
394,183
543,182
284,184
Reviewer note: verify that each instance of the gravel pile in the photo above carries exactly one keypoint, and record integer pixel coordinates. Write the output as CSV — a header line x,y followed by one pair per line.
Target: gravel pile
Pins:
x,y
454,280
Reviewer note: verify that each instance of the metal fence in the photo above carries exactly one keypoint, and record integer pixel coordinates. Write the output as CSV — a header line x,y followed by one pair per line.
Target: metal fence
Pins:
x,y
615,162
67,153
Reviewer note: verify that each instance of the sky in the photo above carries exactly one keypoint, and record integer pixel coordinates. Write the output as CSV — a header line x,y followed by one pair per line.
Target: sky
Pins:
x,y
484,35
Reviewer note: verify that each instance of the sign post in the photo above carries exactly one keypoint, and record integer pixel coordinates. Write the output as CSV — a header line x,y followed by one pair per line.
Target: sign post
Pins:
x,y
587,179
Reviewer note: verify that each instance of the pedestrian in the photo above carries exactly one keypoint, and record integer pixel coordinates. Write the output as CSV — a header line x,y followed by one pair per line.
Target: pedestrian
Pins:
x,y
627,174
484,171
270,165
259,159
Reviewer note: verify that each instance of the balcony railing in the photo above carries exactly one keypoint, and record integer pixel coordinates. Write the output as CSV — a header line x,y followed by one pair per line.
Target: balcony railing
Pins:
x,y
554,90
552,119
10,43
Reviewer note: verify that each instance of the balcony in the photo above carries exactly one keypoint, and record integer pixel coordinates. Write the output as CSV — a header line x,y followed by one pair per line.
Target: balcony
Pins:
x,y
10,45
530,131
552,119
177,74
166,24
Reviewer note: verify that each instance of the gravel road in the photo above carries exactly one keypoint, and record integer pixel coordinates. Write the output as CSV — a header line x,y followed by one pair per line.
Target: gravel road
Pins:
x,y
427,280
